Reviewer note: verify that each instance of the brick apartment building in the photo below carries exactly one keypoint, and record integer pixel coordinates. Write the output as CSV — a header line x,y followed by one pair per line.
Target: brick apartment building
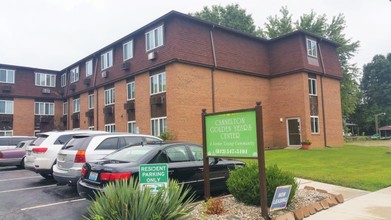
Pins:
x,y
159,77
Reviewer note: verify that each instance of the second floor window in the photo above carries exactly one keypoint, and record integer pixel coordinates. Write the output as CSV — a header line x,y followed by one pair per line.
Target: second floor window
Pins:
x,y
154,38
7,76
6,107
127,50
44,108
65,108
130,90
91,101
109,96
314,124
106,59
63,79
76,105
158,83
89,68
312,87
75,74
311,48
44,79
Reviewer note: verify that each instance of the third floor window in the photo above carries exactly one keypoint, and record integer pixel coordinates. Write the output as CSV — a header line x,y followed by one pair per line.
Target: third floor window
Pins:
x,y
7,76
128,50
89,68
75,74
63,79
106,60
154,38
44,79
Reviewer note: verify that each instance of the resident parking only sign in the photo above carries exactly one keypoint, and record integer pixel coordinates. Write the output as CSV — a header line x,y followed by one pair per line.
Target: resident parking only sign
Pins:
x,y
153,176
281,197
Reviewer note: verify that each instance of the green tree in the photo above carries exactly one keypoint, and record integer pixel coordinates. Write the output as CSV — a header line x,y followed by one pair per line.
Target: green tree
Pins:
x,y
231,16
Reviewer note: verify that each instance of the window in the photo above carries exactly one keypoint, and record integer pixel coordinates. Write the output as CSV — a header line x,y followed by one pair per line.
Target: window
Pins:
x,y
154,38
74,75
6,107
158,126
311,48
127,49
158,83
108,144
44,108
177,154
76,105
91,128
109,96
63,79
110,127
89,68
106,60
132,127
43,79
315,124
197,152
7,76
91,101
6,132
130,90
65,108
312,86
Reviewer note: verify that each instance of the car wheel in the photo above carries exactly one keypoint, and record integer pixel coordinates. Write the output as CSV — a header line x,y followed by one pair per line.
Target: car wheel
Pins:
x,y
21,165
47,176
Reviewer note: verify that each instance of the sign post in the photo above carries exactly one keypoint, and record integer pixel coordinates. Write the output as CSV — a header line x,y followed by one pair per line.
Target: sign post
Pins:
x,y
235,134
153,176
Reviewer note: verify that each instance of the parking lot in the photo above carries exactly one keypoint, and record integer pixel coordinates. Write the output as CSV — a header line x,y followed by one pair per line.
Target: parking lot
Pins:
x,y
27,195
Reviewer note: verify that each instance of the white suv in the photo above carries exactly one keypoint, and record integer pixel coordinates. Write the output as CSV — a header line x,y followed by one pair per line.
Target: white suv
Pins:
x,y
84,148
41,155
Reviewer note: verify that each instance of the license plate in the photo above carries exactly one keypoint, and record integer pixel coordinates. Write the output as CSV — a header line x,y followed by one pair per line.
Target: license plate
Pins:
x,y
93,176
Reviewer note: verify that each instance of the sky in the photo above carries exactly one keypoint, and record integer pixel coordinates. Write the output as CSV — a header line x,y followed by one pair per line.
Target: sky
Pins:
x,y
53,34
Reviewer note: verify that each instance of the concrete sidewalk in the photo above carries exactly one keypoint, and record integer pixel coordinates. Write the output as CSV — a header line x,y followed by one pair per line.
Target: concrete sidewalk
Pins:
x,y
359,204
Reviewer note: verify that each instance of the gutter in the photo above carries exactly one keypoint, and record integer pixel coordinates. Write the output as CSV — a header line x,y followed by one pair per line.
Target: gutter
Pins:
x,y
213,68
322,96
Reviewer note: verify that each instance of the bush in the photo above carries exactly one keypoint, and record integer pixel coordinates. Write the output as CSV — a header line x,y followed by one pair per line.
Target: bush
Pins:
x,y
243,183
214,206
125,200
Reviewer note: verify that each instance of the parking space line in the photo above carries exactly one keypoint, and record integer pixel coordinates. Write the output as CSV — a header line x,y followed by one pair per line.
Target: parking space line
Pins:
x,y
21,178
52,204
16,190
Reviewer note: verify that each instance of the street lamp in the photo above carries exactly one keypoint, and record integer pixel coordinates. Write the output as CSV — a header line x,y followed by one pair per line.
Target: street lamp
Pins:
x,y
376,124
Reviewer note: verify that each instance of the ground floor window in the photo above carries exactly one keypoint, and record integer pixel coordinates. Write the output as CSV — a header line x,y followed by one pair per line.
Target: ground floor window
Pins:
x,y
110,127
91,128
158,126
6,132
132,127
315,124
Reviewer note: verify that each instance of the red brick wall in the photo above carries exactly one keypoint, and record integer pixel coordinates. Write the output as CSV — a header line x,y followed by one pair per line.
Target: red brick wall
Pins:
x,y
23,116
142,103
121,120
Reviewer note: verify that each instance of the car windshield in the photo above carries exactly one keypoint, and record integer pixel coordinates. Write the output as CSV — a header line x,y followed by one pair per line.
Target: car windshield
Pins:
x,y
130,154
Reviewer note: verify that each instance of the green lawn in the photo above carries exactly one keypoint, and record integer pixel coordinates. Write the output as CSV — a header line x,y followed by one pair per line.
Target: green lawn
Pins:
x,y
367,168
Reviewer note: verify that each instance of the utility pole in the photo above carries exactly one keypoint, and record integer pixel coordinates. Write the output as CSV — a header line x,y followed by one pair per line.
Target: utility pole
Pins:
x,y
376,122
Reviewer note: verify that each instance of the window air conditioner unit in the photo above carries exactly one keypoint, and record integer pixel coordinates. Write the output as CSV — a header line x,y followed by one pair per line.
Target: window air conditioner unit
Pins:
x,y
7,88
152,55
158,100
129,106
108,110
75,116
105,74
72,87
90,113
87,81
125,65
45,91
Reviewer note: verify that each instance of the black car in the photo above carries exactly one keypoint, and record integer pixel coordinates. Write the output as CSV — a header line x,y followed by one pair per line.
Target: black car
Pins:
x,y
185,164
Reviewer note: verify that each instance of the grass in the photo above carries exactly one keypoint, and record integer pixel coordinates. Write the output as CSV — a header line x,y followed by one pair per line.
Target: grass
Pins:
x,y
366,168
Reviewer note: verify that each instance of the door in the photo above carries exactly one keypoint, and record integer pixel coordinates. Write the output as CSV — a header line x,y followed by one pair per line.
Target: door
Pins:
x,y
294,131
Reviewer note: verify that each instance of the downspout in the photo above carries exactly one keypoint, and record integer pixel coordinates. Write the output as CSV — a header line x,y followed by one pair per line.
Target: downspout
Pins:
x,y
97,95
213,68
322,96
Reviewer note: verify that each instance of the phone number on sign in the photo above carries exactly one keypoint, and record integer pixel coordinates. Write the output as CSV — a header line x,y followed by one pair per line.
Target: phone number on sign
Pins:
x,y
231,151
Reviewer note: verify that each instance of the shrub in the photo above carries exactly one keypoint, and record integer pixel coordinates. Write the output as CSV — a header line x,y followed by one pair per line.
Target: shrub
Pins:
x,y
167,136
214,206
243,183
125,200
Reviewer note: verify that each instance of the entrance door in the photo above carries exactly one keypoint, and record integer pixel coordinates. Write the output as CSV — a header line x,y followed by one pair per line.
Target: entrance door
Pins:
x,y
294,131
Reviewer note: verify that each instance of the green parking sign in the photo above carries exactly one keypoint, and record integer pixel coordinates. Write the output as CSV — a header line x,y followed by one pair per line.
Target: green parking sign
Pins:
x,y
231,134
153,176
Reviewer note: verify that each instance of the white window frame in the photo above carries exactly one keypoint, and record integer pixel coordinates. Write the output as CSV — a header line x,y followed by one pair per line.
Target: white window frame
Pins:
x,y
132,127
127,50
158,83
63,79
91,101
154,38
312,87
161,126
106,59
8,104
130,90
110,127
315,124
89,68
76,105
49,80
65,108
6,133
42,108
74,75
91,128
109,96
311,48
8,73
